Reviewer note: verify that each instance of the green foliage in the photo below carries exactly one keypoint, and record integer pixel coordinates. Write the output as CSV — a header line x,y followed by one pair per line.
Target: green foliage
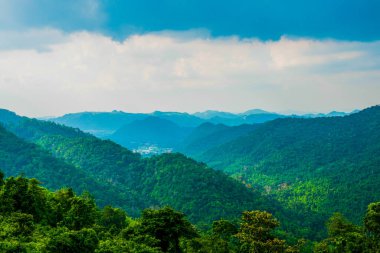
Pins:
x,y
84,240
300,170
113,218
66,222
118,245
82,213
207,136
372,225
167,226
206,244
255,233
224,229
372,219
314,167
343,236
116,176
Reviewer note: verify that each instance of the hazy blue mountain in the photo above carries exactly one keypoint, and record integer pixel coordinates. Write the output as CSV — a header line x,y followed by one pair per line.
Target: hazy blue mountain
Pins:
x,y
262,117
234,119
254,111
98,123
154,136
330,114
102,124
212,114
150,131
324,164
179,118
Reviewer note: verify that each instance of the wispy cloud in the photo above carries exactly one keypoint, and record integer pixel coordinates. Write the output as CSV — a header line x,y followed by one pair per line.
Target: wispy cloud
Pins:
x,y
88,71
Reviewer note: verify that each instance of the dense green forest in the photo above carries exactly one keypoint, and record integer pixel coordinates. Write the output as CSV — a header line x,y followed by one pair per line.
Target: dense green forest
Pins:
x,y
323,165
300,170
208,135
34,219
116,176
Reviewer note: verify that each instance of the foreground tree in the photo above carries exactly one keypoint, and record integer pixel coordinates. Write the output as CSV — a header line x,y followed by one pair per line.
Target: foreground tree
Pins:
x,y
372,225
343,236
255,233
168,226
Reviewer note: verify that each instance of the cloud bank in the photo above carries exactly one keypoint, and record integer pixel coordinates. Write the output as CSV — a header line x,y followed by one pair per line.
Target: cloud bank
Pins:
x,y
48,72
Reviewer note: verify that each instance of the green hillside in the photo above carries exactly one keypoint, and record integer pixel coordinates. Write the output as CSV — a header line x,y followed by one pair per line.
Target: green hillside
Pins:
x,y
170,179
208,135
20,157
323,164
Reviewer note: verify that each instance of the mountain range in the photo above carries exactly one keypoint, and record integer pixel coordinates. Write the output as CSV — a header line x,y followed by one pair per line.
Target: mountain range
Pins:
x,y
302,169
323,165
136,130
61,156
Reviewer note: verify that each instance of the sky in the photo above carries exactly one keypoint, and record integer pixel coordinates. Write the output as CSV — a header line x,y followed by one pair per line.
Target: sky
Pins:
x,y
58,57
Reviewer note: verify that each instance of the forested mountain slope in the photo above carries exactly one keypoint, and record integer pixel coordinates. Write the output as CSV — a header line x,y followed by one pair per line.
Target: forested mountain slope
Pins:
x,y
20,157
170,179
209,135
323,164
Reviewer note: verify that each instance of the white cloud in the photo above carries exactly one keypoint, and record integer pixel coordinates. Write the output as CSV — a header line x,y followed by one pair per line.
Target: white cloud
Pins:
x,y
164,71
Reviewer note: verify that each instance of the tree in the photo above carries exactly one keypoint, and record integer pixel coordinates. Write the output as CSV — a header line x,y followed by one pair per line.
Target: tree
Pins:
x,y
343,236
372,225
224,229
65,241
168,226
338,225
81,214
255,233
113,218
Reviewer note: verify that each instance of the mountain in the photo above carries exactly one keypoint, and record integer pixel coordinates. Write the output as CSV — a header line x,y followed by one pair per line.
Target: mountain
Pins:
x,y
179,118
104,124
156,132
20,157
119,177
330,114
325,165
209,135
161,132
262,117
212,114
253,116
254,111
98,123
150,131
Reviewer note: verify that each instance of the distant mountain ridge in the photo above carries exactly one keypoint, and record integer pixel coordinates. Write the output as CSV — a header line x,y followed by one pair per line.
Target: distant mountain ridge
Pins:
x,y
132,130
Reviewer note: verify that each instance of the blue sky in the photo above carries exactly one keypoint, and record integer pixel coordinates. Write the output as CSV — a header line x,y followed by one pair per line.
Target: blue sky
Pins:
x,y
265,19
145,55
